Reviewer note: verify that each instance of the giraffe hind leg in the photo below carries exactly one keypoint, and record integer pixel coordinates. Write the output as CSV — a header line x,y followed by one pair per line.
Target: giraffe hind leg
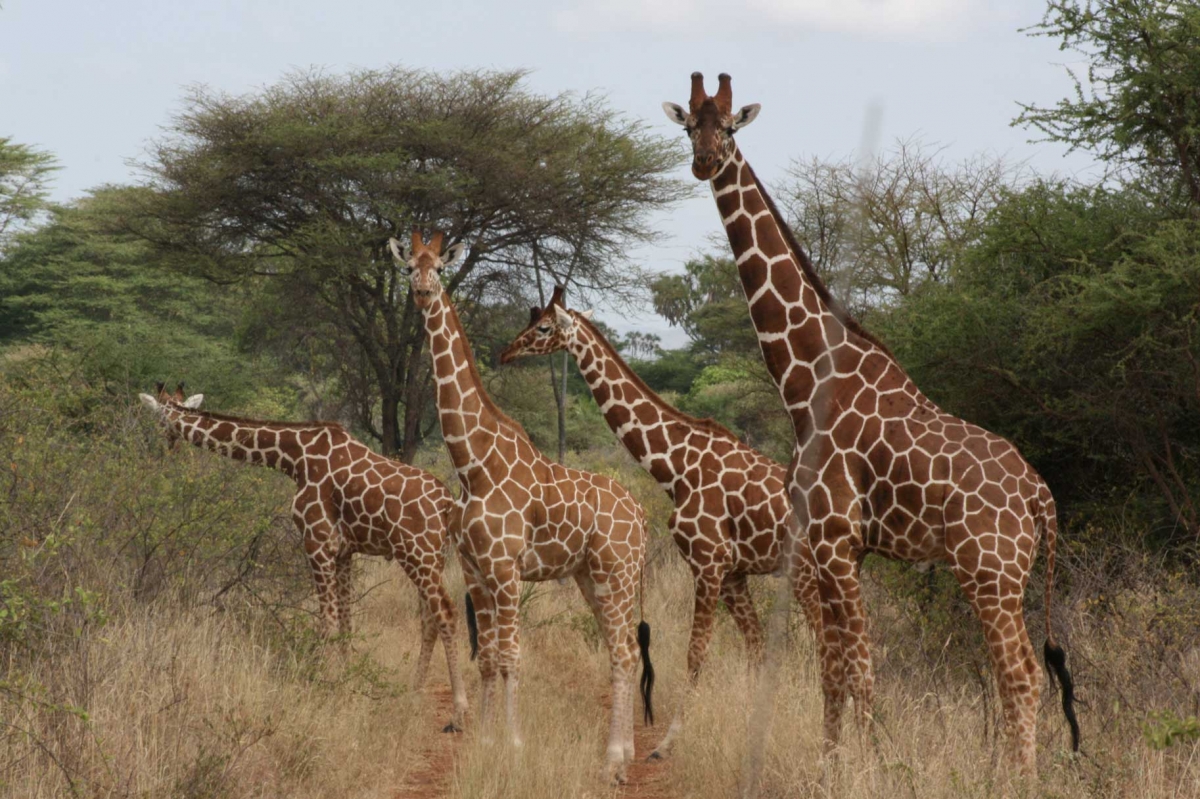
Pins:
x,y
997,601
735,593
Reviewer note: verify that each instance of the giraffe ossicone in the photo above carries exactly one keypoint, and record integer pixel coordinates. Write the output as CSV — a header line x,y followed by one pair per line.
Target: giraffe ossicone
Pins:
x,y
732,516
349,500
522,516
877,466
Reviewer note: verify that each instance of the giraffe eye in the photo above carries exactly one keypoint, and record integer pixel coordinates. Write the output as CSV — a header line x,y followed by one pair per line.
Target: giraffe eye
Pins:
x,y
543,328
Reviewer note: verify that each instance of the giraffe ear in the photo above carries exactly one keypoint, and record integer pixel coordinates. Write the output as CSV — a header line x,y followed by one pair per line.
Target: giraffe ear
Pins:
x,y
452,254
400,252
563,316
675,113
148,401
588,313
193,402
745,116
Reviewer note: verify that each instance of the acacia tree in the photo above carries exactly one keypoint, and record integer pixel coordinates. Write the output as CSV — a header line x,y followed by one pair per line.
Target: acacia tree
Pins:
x,y
24,178
1137,107
306,180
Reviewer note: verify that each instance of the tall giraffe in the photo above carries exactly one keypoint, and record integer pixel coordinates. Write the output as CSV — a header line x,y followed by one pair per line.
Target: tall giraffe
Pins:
x,y
732,514
878,467
348,500
525,517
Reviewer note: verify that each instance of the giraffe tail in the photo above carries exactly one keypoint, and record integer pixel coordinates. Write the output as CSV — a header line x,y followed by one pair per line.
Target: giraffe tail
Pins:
x,y
472,627
1055,656
647,682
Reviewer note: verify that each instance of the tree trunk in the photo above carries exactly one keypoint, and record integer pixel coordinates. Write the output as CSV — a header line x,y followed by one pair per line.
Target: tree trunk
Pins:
x,y
390,410
414,378
562,411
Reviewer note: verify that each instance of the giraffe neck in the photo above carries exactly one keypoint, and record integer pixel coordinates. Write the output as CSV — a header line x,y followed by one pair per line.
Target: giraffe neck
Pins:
x,y
468,417
796,318
638,416
275,445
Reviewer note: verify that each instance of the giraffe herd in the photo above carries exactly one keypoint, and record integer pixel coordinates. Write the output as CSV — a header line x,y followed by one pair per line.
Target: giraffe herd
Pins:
x,y
877,468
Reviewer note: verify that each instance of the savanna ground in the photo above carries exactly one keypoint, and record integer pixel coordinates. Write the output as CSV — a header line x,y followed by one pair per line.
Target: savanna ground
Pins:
x,y
157,637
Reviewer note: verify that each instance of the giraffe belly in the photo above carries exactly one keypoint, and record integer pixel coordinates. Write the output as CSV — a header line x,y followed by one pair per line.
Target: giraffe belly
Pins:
x,y
549,560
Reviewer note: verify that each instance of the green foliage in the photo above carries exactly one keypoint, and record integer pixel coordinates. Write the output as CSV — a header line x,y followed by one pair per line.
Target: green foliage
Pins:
x,y
24,182
1071,327
1165,729
525,394
673,370
1137,106
75,283
738,393
707,301
97,515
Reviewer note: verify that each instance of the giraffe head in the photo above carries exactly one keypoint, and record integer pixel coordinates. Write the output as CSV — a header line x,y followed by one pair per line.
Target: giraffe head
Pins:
x,y
549,330
164,400
424,263
710,123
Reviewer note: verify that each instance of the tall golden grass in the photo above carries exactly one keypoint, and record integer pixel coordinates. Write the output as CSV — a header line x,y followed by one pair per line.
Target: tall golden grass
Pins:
x,y
153,661
192,704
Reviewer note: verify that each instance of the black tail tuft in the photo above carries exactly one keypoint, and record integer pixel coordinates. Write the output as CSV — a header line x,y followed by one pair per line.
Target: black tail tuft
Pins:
x,y
1056,664
647,684
472,627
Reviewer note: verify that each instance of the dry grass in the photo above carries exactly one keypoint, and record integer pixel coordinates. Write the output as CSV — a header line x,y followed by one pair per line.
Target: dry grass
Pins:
x,y
167,696
199,705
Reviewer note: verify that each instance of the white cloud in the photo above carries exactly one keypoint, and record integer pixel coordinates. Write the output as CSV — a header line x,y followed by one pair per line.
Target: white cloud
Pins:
x,y
925,19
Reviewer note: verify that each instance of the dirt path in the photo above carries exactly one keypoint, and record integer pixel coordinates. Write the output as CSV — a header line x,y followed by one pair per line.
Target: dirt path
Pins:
x,y
647,780
431,778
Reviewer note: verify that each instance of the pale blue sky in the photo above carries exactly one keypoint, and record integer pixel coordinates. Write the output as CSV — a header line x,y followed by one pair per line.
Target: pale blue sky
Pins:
x,y
93,81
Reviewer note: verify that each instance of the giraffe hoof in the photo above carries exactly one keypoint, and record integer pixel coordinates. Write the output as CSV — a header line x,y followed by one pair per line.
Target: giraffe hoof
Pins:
x,y
452,727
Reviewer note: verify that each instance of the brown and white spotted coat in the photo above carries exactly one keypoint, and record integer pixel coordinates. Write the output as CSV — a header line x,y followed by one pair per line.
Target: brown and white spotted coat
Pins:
x,y
878,467
732,515
525,517
349,500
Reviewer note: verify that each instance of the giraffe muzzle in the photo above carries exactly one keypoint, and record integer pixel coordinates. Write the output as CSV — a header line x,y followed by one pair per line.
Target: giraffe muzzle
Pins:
x,y
704,165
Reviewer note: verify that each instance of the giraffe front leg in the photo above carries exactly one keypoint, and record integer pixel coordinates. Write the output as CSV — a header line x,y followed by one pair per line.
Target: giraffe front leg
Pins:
x,y
488,657
507,597
320,546
845,655
708,592
802,571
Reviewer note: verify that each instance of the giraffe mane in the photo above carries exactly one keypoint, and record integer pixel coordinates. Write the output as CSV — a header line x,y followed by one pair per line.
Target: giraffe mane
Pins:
x,y
269,424
706,424
473,371
851,324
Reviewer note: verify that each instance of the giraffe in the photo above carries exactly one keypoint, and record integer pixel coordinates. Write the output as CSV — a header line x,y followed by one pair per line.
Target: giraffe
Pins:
x,y
732,515
878,467
348,500
525,517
